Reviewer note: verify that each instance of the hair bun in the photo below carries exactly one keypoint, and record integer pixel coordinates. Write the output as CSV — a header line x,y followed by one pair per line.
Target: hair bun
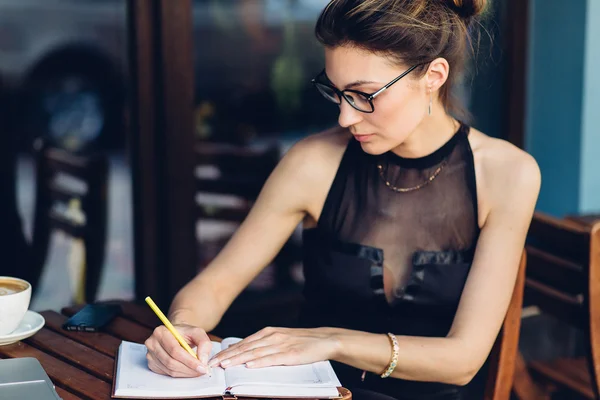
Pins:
x,y
467,9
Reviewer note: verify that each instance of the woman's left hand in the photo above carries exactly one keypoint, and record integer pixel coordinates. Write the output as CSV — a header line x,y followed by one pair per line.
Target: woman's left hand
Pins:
x,y
280,346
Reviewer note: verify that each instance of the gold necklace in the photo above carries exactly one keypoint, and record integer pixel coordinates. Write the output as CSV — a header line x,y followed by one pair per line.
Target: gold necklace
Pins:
x,y
410,189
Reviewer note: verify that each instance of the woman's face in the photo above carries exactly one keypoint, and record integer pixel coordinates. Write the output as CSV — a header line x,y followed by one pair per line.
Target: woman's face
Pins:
x,y
398,110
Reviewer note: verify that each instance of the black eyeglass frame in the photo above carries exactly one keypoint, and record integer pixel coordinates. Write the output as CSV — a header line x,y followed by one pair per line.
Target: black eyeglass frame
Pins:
x,y
368,96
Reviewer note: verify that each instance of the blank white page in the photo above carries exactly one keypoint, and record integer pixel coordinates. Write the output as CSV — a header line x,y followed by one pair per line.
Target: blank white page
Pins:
x,y
135,379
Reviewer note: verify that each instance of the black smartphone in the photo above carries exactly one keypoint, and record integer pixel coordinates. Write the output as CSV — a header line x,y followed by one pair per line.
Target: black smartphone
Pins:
x,y
92,317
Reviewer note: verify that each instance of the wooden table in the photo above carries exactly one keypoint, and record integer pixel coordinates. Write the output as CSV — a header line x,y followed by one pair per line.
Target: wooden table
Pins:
x,y
81,364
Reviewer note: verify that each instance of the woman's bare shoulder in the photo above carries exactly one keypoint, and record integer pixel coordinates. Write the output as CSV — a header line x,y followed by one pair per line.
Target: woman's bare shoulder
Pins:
x,y
333,140
319,150
311,166
500,156
503,170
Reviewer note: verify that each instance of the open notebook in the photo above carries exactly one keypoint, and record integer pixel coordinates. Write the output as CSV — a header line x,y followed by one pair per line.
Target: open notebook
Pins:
x,y
133,379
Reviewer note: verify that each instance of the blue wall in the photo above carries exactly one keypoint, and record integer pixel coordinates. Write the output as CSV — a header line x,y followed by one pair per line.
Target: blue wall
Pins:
x,y
589,199
555,98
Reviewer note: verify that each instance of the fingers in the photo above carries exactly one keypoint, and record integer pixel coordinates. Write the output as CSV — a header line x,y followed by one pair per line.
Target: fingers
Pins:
x,y
172,363
260,344
167,355
258,335
155,365
249,339
204,352
257,339
249,356
198,337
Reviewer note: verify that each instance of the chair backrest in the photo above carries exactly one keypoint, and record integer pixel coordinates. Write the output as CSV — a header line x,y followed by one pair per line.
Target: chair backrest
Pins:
x,y
62,178
563,278
237,172
229,170
506,348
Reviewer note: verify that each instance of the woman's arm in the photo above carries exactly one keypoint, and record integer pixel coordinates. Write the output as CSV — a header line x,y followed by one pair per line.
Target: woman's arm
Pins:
x,y
295,188
299,181
456,358
512,190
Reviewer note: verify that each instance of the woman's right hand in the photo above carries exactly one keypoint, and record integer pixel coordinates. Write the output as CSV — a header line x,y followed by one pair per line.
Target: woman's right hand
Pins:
x,y
167,357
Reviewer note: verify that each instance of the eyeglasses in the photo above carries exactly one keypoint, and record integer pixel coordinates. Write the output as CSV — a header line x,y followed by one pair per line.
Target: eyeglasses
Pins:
x,y
360,101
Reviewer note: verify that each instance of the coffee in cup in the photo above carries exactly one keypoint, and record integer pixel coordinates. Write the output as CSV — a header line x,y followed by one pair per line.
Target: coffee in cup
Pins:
x,y
15,295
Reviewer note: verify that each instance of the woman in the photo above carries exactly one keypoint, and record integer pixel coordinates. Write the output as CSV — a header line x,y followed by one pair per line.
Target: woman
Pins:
x,y
414,222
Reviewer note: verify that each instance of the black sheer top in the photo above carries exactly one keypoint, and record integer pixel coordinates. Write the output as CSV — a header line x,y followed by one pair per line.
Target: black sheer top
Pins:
x,y
392,250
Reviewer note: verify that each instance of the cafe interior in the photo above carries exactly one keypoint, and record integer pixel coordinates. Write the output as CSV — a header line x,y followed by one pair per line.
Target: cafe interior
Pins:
x,y
136,135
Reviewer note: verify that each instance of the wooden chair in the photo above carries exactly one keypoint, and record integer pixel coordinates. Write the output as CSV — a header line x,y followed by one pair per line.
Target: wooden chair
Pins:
x,y
52,199
584,219
236,175
563,280
506,348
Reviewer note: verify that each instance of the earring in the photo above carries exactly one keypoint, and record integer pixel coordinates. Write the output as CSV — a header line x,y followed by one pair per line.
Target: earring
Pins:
x,y
430,102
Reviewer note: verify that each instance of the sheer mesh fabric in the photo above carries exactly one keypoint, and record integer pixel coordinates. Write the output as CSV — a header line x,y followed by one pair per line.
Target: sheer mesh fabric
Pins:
x,y
382,261
437,221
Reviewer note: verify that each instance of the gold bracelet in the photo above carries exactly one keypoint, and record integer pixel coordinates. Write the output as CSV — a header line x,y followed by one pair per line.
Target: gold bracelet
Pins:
x,y
394,361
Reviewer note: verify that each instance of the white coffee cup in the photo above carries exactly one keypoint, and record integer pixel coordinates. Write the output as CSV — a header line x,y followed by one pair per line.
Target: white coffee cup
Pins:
x,y
15,295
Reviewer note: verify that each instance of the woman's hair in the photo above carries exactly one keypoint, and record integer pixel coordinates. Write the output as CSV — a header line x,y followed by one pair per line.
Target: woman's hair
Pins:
x,y
410,32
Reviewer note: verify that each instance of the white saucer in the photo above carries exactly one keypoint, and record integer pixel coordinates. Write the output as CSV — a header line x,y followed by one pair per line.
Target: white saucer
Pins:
x,y
31,323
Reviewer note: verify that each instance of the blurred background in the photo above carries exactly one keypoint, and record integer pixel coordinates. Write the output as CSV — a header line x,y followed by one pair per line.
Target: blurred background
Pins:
x,y
67,80
68,83
135,134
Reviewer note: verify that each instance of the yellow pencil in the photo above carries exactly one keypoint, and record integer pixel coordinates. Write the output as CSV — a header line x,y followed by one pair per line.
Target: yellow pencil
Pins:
x,y
172,329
